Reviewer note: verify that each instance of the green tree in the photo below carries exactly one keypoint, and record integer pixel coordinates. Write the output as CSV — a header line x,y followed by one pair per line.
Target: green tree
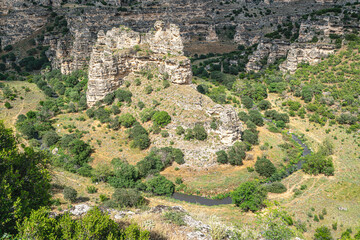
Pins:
x,y
159,185
24,181
249,196
264,167
199,132
322,233
250,137
221,157
161,118
50,138
247,102
317,163
127,198
70,194
127,120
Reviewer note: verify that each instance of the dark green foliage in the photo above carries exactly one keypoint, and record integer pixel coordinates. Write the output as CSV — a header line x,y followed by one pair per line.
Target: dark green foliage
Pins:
x,y
264,167
23,174
148,89
168,155
256,117
123,95
247,102
318,163
243,116
275,187
250,125
237,153
202,88
94,225
70,194
91,189
141,105
102,114
264,105
159,185
250,137
7,105
8,48
249,196
50,138
322,233
115,109
274,115
161,118
109,98
221,157
199,132
125,175
151,164
127,198
139,136
189,134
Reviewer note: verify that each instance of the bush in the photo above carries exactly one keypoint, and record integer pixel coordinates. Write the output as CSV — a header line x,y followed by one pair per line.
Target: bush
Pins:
x,y
318,163
127,120
148,89
243,116
8,105
199,132
176,218
115,109
180,130
127,198
276,187
147,114
123,95
322,233
189,134
90,112
249,196
70,194
164,133
221,157
91,189
264,167
50,138
256,117
237,153
159,185
109,98
247,102
161,118
264,105
250,137
8,48
125,175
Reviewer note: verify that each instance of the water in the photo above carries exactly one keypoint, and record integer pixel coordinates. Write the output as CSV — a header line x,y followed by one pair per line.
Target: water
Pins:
x,y
228,200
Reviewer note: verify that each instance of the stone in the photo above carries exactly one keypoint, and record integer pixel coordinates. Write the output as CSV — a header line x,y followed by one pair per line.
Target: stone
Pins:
x,y
121,51
80,209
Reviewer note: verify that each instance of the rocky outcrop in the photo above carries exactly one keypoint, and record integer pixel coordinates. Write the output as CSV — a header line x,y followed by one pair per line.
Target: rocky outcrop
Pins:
x,y
267,53
230,127
307,53
122,50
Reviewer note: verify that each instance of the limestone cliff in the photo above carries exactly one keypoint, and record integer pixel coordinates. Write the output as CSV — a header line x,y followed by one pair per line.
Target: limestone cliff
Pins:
x,y
307,53
122,50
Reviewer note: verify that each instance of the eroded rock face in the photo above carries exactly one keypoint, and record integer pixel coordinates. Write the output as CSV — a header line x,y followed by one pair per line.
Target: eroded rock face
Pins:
x,y
230,127
309,53
122,50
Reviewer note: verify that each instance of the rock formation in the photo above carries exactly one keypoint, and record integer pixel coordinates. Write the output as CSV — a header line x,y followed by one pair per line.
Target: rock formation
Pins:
x,y
122,50
307,53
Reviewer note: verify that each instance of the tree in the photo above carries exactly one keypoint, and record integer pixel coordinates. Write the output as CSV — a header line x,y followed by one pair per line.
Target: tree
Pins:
x,y
264,105
236,154
322,233
127,198
8,105
161,118
264,167
127,120
249,196
256,117
50,138
250,137
159,185
70,194
125,175
199,132
221,157
247,102
24,181
318,163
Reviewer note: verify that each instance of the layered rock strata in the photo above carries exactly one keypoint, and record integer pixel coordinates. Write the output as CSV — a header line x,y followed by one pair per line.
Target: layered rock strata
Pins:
x,y
121,51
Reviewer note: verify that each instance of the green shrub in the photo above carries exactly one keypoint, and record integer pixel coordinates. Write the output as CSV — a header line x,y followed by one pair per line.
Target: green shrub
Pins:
x,y
247,102
322,233
123,95
50,138
70,194
91,189
7,105
189,134
243,116
264,105
148,89
180,130
276,187
199,132
317,163
109,98
147,114
264,167
178,181
127,120
166,83
249,196
125,175
161,118
176,218
159,185
141,105
250,137
221,157
127,198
